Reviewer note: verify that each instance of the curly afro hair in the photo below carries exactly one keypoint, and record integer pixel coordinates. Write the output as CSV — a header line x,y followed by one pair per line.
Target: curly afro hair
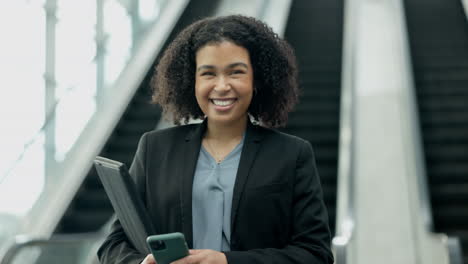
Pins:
x,y
273,61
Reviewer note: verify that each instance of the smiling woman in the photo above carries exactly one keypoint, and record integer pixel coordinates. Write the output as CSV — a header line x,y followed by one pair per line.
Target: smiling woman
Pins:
x,y
240,192
224,83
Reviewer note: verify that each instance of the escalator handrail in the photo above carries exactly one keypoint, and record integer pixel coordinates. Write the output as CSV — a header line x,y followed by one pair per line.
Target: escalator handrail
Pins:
x,y
417,146
345,187
465,7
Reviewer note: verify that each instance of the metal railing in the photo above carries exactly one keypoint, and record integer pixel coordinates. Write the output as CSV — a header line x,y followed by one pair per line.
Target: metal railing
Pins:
x,y
346,190
66,248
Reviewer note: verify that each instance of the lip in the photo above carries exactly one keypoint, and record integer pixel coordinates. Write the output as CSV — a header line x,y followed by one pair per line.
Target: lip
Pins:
x,y
223,108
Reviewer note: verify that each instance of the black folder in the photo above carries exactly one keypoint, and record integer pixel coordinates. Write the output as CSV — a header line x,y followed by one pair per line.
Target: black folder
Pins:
x,y
126,202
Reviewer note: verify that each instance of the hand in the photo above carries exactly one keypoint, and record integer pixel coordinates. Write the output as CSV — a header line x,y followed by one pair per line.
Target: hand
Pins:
x,y
149,260
203,256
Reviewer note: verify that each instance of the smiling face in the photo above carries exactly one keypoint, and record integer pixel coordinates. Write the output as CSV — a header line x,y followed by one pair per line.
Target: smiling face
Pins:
x,y
224,82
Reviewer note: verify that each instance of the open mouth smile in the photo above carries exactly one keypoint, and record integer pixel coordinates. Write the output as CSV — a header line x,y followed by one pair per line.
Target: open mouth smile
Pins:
x,y
223,102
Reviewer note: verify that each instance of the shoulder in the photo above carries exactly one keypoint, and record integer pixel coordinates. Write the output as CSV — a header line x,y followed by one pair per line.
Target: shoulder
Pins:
x,y
166,138
177,132
275,141
273,135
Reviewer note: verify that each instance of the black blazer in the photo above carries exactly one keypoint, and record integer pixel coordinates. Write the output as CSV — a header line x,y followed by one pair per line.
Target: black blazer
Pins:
x,y
278,214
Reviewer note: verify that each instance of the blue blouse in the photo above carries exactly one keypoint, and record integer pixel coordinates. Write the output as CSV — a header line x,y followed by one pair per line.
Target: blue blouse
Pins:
x,y
213,187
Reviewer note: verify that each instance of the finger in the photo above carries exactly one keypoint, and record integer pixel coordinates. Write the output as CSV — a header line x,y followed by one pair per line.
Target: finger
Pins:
x,y
195,251
149,260
193,258
186,260
179,261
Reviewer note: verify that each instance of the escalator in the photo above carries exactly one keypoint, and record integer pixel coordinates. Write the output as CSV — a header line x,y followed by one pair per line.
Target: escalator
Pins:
x,y
90,208
314,29
438,34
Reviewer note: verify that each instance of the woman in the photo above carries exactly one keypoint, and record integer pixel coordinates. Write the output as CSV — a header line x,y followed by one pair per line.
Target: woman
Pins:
x,y
240,192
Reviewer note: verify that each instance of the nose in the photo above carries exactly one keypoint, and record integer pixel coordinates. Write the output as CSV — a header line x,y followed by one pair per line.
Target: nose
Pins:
x,y
222,85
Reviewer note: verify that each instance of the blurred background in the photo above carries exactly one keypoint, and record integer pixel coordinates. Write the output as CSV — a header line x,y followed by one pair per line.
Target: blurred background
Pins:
x,y
384,104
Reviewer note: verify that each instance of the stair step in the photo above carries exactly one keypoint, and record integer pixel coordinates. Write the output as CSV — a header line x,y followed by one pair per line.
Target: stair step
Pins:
x,y
440,62
451,216
123,144
314,121
451,119
85,221
444,104
443,194
142,114
447,152
443,73
447,135
89,199
316,107
92,181
444,172
315,137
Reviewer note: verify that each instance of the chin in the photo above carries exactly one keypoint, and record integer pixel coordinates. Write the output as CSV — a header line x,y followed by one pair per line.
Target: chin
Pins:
x,y
226,119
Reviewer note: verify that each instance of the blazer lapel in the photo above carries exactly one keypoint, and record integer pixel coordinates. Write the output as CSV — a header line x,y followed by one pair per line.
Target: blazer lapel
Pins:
x,y
249,151
189,162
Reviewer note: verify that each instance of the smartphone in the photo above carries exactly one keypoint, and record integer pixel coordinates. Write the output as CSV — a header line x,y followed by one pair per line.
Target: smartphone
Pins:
x,y
168,247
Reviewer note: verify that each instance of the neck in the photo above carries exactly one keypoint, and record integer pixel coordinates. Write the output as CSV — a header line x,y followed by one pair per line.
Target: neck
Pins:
x,y
226,132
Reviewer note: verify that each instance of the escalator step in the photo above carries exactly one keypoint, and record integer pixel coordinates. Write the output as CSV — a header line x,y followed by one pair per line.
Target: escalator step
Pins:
x,y
453,172
443,194
92,199
447,135
450,215
444,103
446,152
85,220
440,119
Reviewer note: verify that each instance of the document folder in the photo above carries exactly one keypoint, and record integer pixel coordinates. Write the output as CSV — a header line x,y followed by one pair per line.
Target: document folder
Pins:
x,y
126,201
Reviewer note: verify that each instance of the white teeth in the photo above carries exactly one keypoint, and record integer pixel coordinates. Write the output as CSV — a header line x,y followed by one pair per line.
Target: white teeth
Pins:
x,y
222,102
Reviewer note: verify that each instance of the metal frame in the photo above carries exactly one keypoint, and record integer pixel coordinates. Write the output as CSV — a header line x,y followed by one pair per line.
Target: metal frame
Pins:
x,y
22,242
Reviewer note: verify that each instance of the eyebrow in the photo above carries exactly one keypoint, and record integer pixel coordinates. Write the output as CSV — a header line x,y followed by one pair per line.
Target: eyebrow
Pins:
x,y
232,65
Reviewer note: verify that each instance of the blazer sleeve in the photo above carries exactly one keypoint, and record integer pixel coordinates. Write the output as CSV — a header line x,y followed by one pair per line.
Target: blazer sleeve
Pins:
x,y
116,248
310,238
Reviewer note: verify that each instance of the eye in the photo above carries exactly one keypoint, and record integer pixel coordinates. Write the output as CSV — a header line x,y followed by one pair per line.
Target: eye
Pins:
x,y
238,72
207,73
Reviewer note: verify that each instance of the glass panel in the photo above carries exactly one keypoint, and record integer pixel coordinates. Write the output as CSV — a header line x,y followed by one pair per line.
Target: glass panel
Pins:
x,y
75,71
118,27
22,67
57,59
148,9
22,104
